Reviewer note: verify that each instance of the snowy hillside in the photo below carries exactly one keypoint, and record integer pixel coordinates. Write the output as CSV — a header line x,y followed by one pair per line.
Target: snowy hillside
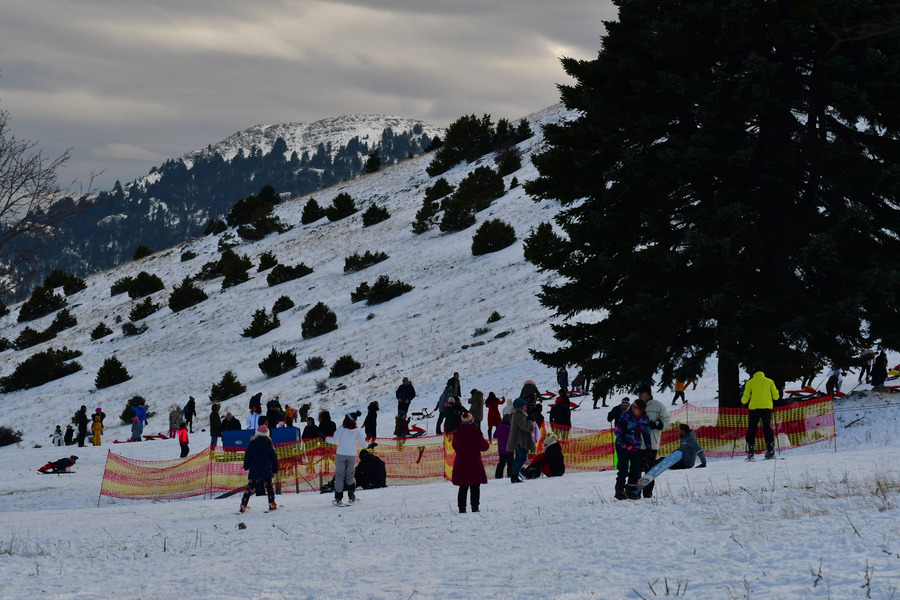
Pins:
x,y
421,334
820,522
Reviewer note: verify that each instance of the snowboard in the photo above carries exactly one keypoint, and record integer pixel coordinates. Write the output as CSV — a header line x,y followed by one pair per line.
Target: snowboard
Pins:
x,y
660,467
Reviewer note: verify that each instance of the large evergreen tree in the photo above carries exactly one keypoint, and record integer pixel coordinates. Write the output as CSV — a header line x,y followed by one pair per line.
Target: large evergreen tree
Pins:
x,y
730,187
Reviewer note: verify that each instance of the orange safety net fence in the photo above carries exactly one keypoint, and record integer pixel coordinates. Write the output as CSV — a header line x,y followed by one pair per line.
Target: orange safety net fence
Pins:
x,y
305,465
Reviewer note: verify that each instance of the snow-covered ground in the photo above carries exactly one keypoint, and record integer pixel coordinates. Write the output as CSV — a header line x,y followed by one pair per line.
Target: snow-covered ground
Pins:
x,y
820,524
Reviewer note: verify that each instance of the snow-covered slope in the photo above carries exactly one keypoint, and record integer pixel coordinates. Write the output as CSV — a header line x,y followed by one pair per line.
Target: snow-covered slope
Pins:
x,y
422,334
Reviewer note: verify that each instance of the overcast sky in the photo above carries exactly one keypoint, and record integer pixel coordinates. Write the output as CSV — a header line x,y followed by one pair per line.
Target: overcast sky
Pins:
x,y
128,84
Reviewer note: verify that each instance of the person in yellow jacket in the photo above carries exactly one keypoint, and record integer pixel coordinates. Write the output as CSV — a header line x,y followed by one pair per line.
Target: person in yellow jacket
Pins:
x,y
760,395
96,428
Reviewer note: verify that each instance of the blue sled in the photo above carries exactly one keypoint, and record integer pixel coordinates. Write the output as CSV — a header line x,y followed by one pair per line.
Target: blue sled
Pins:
x,y
658,469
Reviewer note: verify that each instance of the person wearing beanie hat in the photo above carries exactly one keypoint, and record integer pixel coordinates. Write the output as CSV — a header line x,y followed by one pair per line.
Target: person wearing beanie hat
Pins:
x,y
348,438
452,413
468,468
521,440
137,428
96,426
550,462
261,464
68,435
658,416
632,428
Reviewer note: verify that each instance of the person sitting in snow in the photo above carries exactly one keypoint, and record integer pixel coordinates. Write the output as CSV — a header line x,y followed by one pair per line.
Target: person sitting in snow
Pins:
x,y
690,449
550,462
370,471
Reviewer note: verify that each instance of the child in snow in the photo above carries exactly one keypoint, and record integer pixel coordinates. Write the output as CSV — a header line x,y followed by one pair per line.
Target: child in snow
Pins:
x,y
261,464
632,428
96,427
137,428
348,438
56,438
505,456
182,435
370,424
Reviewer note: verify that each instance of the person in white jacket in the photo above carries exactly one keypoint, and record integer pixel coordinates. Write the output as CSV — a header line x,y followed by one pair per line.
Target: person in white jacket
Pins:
x,y
349,439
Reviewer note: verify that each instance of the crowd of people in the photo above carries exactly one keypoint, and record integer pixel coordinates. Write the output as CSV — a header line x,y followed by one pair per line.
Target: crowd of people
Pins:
x,y
517,427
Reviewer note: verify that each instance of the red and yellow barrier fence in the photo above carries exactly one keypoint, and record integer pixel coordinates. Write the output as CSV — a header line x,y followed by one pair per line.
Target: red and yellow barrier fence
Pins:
x,y
305,465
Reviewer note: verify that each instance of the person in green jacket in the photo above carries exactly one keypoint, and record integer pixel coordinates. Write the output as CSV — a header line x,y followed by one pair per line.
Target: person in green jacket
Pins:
x,y
760,395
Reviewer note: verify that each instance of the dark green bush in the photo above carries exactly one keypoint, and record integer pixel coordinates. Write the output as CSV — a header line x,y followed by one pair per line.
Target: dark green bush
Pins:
x,y
458,215
508,161
42,302
541,247
248,210
282,304
69,283
314,363
186,295
228,387
188,255
480,187
100,331
144,284
41,368
381,291
283,273
318,321
312,212
228,261
375,214
361,293
112,372
142,251
261,324
491,236
4,310
467,138
29,337
129,329
494,317
215,227
261,227
120,286
277,363
143,309
8,436
355,262
341,207
267,260
63,320
424,217
5,344
438,190
343,366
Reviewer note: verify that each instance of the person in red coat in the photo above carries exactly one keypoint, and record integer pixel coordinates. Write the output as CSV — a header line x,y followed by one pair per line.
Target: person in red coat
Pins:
x,y
493,405
468,470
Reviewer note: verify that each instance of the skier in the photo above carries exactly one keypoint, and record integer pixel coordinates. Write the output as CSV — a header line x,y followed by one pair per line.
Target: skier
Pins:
x,y
759,395
261,464
468,468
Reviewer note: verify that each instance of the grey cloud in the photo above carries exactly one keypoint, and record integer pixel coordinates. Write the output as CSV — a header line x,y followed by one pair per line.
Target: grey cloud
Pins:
x,y
122,83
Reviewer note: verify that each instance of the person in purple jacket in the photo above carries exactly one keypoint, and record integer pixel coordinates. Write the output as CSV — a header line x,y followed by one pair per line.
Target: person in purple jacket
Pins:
x,y
632,427
468,469
506,457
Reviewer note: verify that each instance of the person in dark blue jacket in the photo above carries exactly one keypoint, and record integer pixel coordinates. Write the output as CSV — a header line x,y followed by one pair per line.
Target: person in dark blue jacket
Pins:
x,y
632,428
261,464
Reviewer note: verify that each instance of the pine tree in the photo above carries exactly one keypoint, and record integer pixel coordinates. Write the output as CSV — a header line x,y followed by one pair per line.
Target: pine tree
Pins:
x,y
730,184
